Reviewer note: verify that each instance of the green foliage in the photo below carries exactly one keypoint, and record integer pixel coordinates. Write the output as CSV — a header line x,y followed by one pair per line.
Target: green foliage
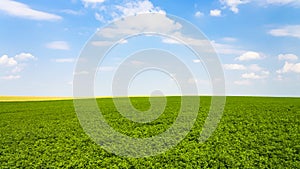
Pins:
x,y
254,132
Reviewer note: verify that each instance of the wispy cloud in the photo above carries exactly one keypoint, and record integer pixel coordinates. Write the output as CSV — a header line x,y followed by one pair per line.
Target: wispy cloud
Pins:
x,y
58,45
288,31
170,41
197,61
25,56
22,10
92,3
11,77
229,39
252,67
64,60
242,82
255,68
72,12
234,67
233,5
282,2
290,57
106,68
99,17
262,75
223,48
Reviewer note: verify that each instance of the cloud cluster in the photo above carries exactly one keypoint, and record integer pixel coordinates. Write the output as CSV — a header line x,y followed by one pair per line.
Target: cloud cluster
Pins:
x,y
250,55
137,7
105,13
251,72
14,64
289,65
233,4
7,61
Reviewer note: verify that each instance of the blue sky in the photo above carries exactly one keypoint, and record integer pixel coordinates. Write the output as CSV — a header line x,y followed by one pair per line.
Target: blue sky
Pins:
x,y
257,42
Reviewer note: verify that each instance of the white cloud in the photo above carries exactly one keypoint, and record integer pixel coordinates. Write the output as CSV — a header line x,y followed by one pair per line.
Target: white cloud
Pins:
x,y
229,39
215,12
84,72
288,31
101,43
72,12
7,61
106,68
250,55
198,14
250,76
99,17
58,45
264,74
64,60
170,41
138,7
242,82
17,69
282,2
137,62
123,41
226,48
24,56
234,67
11,77
233,4
192,81
290,57
289,67
252,67
121,9
24,11
197,61
92,3
279,77
141,23
255,68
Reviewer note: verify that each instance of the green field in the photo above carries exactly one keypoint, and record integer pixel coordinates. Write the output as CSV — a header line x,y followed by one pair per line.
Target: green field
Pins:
x,y
254,132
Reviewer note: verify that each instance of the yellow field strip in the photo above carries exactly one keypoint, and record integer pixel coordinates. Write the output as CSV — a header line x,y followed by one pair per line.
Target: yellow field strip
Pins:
x,y
31,98
45,98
